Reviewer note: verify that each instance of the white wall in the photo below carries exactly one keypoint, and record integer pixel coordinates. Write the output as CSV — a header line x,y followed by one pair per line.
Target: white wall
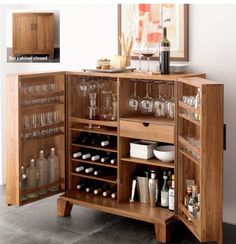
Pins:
x,y
90,32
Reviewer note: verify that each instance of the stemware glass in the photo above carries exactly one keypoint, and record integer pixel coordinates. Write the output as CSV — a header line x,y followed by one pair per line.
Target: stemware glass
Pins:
x,y
137,51
82,92
170,105
159,105
134,100
148,50
146,103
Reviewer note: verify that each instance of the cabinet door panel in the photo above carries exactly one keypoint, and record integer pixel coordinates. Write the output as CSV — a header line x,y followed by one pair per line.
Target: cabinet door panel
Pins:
x,y
44,32
202,160
23,34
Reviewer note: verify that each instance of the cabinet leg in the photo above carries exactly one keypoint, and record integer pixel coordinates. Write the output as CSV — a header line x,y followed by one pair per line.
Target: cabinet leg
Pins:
x,y
63,208
163,232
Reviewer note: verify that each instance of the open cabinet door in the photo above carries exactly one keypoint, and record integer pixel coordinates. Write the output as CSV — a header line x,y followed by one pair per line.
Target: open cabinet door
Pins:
x,y
200,155
35,121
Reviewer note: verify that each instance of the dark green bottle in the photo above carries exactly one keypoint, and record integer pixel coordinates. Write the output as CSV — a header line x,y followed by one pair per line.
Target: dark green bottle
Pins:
x,y
165,54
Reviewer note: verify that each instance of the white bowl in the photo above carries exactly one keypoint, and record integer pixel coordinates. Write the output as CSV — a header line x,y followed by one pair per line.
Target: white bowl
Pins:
x,y
165,153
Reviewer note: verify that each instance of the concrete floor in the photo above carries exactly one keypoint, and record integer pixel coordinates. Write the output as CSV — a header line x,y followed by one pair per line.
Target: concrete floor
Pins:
x,y
37,223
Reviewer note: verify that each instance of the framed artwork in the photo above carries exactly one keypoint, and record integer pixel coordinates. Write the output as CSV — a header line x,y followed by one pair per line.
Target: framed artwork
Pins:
x,y
141,22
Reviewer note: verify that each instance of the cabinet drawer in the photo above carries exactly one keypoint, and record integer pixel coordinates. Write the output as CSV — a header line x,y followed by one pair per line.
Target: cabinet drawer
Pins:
x,y
148,131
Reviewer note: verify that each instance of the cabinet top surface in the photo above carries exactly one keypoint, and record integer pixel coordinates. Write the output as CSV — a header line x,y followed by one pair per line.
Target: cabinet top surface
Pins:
x,y
33,13
193,79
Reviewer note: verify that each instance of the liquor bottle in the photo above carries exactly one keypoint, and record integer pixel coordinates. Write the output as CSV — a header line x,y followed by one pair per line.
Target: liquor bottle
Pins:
x,y
53,170
164,192
193,202
42,165
99,190
197,103
79,169
188,194
165,54
172,194
32,178
89,170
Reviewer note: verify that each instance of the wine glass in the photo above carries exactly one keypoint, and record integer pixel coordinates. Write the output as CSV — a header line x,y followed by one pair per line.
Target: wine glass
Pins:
x,y
170,105
137,51
148,50
134,99
159,104
146,103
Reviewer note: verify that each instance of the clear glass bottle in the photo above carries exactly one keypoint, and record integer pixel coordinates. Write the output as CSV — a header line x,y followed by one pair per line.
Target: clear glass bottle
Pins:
x,y
53,170
23,183
193,202
42,165
172,194
198,103
32,178
164,192
114,107
188,194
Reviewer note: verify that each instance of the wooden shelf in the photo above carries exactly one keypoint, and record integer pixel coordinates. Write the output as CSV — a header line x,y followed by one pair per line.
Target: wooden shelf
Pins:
x,y
42,137
187,144
194,225
60,124
102,130
106,149
153,162
134,210
108,165
189,156
26,192
40,106
150,119
40,197
189,108
93,122
31,97
196,122
110,179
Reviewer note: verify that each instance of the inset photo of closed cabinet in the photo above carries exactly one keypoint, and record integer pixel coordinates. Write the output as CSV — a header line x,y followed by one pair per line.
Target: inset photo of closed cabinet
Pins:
x,y
34,37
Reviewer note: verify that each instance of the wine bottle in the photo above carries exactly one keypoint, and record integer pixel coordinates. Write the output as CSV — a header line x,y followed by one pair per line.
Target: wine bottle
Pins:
x,y
106,157
98,172
80,168
96,156
113,160
87,155
114,195
172,194
89,170
89,189
99,190
81,186
108,141
108,192
165,54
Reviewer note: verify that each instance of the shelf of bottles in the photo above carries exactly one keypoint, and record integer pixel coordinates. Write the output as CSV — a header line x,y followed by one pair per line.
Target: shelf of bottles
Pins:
x,y
42,107
189,154
41,177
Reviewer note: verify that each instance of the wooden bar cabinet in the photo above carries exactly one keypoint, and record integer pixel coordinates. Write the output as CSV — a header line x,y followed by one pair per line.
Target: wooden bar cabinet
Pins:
x,y
206,170
33,33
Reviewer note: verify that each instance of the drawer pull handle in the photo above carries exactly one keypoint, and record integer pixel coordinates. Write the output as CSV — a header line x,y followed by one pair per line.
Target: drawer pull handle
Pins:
x,y
145,124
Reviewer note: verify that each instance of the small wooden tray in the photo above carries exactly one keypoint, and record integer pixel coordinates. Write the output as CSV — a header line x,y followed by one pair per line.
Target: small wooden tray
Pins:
x,y
109,70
